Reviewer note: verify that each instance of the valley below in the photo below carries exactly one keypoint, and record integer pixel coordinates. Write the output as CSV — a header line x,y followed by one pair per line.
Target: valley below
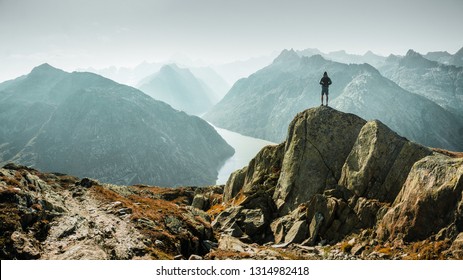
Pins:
x,y
246,148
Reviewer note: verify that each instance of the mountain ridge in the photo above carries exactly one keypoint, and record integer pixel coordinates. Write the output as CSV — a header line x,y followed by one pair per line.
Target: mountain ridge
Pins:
x,y
179,88
87,125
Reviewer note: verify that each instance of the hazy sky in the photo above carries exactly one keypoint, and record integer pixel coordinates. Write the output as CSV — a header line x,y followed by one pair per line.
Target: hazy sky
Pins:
x,y
83,33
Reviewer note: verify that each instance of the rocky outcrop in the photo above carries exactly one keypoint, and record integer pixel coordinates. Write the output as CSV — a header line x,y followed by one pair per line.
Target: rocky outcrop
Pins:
x,y
340,176
317,145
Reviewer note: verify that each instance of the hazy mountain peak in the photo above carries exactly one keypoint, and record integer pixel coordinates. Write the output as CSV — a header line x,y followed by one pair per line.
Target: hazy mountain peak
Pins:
x,y
340,52
412,53
287,56
315,59
413,59
46,68
170,67
180,88
459,52
369,53
393,58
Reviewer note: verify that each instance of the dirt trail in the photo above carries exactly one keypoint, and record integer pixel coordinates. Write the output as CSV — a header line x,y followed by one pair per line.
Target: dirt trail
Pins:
x,y
89,229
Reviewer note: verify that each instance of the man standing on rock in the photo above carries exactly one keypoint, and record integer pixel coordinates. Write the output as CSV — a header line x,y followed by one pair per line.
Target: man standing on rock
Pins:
x,y
325,82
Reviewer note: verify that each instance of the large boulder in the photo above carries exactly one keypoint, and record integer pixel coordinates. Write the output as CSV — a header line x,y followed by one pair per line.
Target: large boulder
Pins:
x,y
379,162
318,143
428,201
238,221
263,169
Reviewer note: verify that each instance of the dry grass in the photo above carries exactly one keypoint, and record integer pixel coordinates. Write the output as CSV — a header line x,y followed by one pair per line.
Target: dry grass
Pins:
x,y
223,255
10,181
448,153
218,208
346,247
142,206
387,251
426,250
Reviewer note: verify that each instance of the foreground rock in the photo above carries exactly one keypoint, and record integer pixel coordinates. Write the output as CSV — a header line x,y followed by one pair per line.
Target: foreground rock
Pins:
x,y
353,185
55,216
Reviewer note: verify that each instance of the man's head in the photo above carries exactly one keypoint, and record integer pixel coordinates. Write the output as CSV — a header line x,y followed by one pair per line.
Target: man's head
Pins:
x,y
325,74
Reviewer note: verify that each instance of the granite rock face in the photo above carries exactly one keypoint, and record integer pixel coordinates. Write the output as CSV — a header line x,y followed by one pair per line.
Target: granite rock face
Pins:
x,y
379,162
318,143
429,201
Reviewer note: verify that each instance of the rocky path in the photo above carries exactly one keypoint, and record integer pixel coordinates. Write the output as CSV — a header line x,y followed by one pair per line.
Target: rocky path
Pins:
x,y
90,229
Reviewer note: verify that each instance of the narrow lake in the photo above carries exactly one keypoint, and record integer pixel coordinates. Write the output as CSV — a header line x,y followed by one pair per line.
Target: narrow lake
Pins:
x,y
246,149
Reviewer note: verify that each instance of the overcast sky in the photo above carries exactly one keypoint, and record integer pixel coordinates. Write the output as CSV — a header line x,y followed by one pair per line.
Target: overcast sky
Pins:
x,y
78,34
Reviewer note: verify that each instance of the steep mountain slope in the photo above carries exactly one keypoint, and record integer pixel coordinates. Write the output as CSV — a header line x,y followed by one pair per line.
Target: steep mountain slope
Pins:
x,y
440,83
371,96
179,88
263,105
87,125
457,58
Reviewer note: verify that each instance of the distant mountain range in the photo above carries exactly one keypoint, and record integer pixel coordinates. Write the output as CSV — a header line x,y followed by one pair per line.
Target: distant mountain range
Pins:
x,y
440,83
263,104
133,76
87,125
446,58
344,57
179,88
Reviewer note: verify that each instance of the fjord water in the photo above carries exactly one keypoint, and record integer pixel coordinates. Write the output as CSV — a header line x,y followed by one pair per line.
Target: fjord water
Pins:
x,y
246,149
